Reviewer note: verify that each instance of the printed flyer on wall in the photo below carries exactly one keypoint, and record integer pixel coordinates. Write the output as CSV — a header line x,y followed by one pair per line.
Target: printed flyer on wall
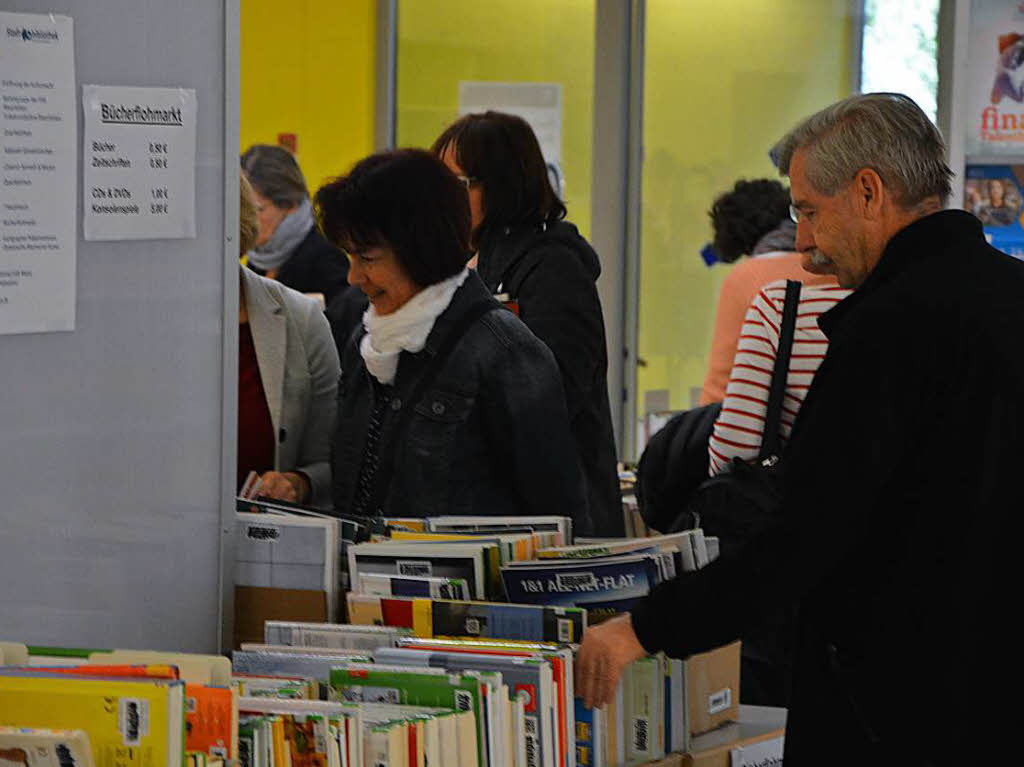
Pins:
x,y
995,123
995,194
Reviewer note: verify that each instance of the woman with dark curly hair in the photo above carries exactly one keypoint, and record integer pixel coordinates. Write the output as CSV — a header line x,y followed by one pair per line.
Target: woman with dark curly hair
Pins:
x,y
447,403
750,219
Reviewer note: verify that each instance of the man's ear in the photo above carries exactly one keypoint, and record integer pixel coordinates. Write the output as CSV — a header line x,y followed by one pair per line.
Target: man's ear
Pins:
x,y
869,193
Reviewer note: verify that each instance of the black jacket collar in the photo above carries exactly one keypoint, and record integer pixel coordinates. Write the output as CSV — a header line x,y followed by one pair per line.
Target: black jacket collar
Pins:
x,y
502,250
917,242
471,292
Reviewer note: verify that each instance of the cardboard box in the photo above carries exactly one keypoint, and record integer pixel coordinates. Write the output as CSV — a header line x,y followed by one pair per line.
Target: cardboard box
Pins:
x,y
713,688
256,604
729,738
672,760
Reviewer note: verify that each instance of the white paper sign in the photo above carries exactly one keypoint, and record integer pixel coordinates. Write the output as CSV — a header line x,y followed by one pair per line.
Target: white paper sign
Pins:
x,y
37,195
540,104
767,753
140,163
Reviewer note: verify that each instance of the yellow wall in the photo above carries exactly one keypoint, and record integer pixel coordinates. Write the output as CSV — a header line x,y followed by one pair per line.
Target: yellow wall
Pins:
x,y
723,82
308,67
441,43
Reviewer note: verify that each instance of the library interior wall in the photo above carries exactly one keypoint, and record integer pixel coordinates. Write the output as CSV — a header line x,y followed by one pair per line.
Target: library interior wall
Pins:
x,y
440,44
717,95
308,68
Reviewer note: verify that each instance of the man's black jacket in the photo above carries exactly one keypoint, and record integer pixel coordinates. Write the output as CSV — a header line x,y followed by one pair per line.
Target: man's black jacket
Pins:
x,y
898,535
550,271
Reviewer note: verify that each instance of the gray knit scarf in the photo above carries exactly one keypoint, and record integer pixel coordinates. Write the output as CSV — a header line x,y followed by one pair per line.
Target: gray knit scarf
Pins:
x,y
781,238
289,233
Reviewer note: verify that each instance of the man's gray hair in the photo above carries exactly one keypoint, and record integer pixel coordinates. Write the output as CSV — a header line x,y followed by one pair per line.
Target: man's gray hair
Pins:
x,y
886,132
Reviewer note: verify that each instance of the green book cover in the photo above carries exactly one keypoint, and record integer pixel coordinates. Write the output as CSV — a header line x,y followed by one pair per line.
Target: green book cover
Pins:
x,y
460,692
63,652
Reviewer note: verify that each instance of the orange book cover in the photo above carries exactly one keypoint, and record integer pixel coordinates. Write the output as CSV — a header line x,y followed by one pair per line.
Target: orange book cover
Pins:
x,y
302,741
211,720
123,670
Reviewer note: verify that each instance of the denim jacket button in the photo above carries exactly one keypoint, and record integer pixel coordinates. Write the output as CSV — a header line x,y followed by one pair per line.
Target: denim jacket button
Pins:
x,y
396,404
438,408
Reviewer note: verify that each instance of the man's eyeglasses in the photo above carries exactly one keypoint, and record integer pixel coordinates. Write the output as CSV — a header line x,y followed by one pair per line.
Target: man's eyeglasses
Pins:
x,y
467,181
797,215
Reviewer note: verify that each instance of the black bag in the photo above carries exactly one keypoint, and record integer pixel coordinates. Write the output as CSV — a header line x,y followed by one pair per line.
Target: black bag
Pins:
x,y
738,502
674,464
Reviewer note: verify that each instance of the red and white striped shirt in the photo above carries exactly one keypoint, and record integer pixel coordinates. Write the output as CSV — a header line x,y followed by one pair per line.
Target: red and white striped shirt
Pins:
x,y
739,427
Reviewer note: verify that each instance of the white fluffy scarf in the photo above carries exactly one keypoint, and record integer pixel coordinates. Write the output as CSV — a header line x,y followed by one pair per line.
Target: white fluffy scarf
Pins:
x,y
406,329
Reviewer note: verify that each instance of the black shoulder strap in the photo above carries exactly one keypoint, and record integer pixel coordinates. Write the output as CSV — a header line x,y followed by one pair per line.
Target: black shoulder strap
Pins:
x,y
770,442
433,366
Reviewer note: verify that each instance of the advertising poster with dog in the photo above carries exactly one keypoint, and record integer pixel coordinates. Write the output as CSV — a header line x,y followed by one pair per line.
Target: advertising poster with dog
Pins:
x,y
995,194
996,66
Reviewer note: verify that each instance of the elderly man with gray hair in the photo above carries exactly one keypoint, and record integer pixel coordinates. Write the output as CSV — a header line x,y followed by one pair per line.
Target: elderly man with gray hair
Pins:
x,y
896,532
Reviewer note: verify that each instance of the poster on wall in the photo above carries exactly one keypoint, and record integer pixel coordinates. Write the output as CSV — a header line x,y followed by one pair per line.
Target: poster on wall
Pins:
x,y
996,78
38,140
995,194
140,163
540,104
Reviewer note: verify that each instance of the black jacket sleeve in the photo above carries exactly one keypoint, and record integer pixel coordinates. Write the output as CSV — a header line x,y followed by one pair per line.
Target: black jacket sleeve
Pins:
x,y
527,424
853,438
558,301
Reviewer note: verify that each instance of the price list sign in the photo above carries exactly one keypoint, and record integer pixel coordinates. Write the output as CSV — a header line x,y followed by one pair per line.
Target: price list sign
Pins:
x,y
139,153
38,140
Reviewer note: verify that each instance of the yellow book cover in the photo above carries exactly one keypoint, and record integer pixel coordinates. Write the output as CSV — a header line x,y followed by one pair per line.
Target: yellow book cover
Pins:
x,y
195,668
402,535
282,753
404,524
129,723
422,618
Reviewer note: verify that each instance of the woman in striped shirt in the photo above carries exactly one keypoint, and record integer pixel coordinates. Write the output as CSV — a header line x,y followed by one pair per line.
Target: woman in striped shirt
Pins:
x,y
740,426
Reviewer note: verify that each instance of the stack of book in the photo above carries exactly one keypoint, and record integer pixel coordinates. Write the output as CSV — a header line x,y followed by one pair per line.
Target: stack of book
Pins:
x,y
449,557
289,564
459,650
108,711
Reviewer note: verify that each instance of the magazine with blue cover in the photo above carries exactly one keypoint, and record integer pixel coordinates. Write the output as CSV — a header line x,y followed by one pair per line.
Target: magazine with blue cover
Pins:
x,y
605,587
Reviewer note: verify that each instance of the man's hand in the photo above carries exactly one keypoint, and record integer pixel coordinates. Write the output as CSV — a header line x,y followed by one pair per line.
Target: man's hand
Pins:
x,y
606,650
287,486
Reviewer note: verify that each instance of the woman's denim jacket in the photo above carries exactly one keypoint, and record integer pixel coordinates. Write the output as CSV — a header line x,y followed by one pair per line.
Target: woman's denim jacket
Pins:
x,y
489,436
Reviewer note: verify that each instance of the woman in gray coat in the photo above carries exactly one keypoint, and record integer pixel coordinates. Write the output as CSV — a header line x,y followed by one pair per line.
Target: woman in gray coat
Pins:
x,y
287,383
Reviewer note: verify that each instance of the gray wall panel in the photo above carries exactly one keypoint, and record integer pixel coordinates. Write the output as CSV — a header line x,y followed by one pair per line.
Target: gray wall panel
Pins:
x,y
111,436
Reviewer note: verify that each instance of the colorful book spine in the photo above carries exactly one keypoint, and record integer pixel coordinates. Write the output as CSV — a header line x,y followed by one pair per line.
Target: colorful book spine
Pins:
x,y
479,620
459,692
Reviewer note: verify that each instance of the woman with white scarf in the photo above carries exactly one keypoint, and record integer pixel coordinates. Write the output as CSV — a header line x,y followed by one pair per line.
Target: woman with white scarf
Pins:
x,y
447,404
288,247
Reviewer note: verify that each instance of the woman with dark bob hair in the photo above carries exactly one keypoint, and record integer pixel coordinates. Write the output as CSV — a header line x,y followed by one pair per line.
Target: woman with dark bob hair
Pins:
x,y
447,404
542,266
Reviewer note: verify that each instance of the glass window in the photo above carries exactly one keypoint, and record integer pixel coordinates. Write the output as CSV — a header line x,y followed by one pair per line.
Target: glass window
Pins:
x,y
504,42
722,83
899,53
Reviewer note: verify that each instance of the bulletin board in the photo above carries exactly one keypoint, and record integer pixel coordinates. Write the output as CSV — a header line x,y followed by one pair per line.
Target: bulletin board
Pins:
x,y
117,437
